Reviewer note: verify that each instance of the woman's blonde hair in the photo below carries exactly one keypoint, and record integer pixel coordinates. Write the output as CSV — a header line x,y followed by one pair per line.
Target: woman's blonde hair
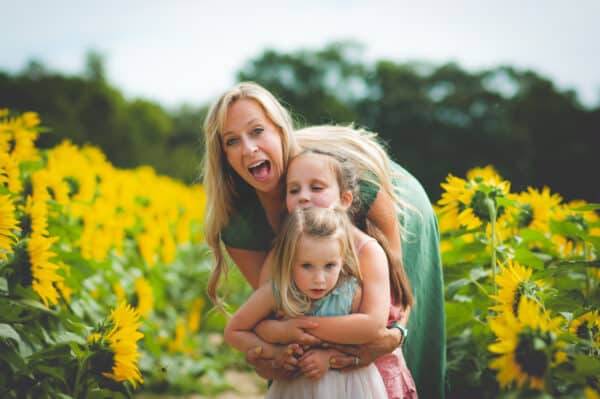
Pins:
x,y
359,146
311,222
221,183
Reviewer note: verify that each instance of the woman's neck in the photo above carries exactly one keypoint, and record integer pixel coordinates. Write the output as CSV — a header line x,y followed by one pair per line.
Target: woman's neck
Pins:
x,y
273,203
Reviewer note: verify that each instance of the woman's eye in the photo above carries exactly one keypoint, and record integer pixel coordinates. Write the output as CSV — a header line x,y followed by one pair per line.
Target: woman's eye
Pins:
x,y
230,142
258,130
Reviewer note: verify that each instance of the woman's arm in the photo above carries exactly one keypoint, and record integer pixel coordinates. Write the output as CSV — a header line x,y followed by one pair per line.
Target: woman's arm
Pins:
x,y
238,332
363,327
383,215
249,262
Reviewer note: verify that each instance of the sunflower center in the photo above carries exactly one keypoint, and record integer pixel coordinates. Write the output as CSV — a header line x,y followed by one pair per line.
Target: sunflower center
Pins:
x,y
102,361
480,208
532,351
525,216
586,330
73,185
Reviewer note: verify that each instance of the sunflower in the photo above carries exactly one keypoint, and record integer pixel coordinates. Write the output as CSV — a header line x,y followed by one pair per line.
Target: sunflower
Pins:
x,y
514,282
527,345
587,327
44,271
10,174
454,211
465,202
144,298
178,344
116,353
195,313
535,208
488,172
8,225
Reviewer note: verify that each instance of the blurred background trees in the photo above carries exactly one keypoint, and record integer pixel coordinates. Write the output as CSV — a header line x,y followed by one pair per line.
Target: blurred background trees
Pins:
x,y
436,119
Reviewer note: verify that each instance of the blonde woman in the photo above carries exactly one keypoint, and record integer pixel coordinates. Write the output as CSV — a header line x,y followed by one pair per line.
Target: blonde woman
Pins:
x,y
248,142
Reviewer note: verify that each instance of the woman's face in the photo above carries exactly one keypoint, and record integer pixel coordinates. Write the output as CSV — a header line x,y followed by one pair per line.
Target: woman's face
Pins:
x,y
311,181
252,145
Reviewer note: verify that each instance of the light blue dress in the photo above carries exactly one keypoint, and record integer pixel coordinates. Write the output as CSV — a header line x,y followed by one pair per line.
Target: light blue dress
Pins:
x,y
362,383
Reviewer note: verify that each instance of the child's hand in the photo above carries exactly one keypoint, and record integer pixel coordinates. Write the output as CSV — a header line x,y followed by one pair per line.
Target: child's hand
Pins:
x,y
315,363
287,331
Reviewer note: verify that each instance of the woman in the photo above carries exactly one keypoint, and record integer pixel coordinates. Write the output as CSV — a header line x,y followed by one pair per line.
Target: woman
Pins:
x,y
248,141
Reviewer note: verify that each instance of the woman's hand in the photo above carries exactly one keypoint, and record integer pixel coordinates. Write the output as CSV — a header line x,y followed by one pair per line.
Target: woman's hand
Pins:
x,y
287,331
315,363
387,341
275,361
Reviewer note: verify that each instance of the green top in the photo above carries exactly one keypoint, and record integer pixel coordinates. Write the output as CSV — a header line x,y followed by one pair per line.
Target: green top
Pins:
x,y
425,349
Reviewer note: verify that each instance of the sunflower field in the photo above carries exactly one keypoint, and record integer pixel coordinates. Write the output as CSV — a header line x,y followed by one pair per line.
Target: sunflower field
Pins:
x,y
103,274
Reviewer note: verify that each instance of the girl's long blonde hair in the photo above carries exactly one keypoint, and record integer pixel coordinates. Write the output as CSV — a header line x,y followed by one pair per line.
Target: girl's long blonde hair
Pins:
x,y
312,222
221,183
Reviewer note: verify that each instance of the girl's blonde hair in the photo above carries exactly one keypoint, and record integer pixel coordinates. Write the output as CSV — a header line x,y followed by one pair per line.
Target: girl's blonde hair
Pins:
x,y
348,181
359,146
221,183
311,222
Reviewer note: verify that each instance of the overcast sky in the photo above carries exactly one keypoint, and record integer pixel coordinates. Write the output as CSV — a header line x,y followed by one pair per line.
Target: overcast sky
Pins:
x,y
188,51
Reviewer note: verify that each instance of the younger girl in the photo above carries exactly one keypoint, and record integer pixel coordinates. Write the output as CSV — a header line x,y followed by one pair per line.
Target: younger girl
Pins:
x,y
321,179
316,274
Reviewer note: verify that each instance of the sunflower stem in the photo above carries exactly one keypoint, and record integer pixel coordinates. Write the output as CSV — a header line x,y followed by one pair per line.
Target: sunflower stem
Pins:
x,y
586,256
492,211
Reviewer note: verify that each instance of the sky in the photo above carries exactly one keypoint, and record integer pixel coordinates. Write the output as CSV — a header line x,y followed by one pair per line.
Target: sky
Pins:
x,y
189,51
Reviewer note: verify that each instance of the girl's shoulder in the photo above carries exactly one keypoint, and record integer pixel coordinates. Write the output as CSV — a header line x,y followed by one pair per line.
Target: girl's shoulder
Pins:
x,y
361,239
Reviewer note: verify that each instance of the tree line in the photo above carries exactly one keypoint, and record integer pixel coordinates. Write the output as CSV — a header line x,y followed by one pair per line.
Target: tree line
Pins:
x,y
435,119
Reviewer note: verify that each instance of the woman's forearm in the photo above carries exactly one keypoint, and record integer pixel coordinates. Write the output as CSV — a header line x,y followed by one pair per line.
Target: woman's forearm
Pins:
x,y
356,328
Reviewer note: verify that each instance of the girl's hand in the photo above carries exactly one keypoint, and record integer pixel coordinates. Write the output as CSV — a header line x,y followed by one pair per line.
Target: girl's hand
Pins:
x,y
274,357
387,341
287,331
315,363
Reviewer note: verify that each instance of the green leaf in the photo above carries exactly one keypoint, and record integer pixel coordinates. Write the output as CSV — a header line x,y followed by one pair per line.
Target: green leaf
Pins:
x,y
7,332
3,285
566,229
587,365
587,207
459,316
527,258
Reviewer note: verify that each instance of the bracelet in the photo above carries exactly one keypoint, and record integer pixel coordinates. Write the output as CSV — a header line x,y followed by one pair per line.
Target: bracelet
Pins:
x,y
403,331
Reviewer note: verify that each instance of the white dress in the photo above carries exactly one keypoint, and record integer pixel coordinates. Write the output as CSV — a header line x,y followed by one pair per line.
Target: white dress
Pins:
x,y
362,383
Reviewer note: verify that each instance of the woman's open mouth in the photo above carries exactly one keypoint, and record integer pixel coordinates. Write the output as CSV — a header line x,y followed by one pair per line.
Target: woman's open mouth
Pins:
x,y
260,170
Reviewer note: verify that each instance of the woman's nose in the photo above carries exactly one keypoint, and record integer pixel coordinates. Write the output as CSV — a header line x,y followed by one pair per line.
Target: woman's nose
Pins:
x,y
249,146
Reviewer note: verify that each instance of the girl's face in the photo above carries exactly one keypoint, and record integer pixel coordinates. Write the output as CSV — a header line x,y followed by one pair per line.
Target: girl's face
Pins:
x,y
311,181
252,145
317,265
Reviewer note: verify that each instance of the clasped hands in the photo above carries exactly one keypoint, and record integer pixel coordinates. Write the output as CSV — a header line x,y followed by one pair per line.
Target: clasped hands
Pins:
x,y
305,354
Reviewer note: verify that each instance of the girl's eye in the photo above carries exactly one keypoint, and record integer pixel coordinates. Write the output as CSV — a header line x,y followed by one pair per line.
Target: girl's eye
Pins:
x,y
306,265
258,130
293,191
317,188
330,266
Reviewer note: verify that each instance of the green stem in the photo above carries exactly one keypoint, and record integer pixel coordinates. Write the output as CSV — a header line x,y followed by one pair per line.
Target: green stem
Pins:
x,y
492,210
80,388
586,256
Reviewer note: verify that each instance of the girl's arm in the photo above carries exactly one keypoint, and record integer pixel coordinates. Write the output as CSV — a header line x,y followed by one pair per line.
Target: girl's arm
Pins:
x,y
238,332
366,326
